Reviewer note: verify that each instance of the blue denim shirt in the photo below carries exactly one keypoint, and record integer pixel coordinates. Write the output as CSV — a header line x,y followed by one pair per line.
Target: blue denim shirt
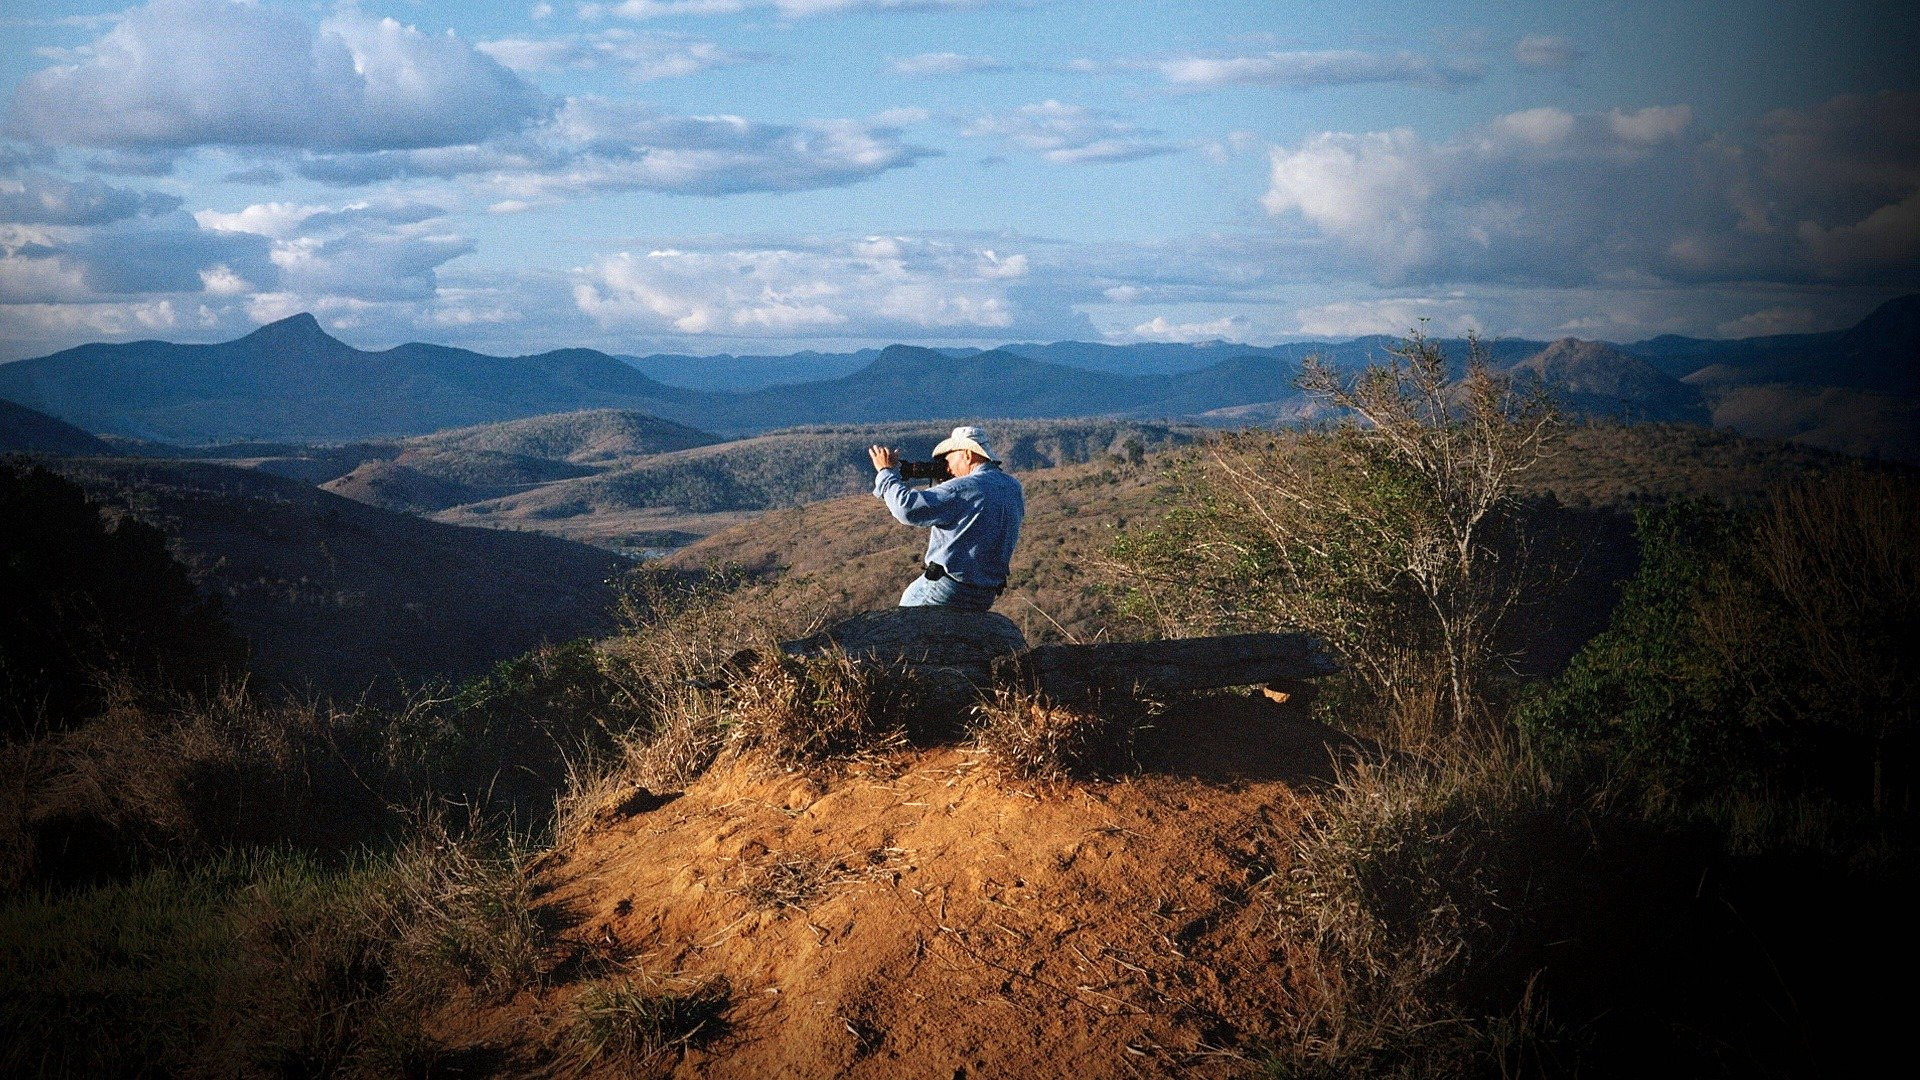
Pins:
x,y
975,520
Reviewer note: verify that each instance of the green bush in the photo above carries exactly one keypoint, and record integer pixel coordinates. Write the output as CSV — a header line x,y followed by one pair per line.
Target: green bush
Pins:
x,y
1647,695
1765,648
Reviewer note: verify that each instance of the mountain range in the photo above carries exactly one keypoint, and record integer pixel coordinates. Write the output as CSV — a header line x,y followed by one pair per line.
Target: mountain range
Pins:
x,y
291,381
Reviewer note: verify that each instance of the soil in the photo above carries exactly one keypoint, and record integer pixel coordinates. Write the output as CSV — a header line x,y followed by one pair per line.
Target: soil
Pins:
x,y
923,916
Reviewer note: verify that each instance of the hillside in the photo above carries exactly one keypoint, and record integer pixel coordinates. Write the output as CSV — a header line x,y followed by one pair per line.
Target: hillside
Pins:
x,y
929,919
1594,379
698,491
25,431
291,382
429,473
1830,417
589,437
863,558
335,594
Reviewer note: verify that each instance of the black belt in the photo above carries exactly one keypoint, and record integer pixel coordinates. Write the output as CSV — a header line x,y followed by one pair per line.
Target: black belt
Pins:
x,y
935,572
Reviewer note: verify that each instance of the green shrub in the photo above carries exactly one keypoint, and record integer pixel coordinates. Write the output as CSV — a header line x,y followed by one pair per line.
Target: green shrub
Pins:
x,y
1396,534
1766,648
1647,694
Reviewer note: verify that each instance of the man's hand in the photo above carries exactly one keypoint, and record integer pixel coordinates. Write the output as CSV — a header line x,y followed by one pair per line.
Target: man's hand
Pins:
x,y
883,457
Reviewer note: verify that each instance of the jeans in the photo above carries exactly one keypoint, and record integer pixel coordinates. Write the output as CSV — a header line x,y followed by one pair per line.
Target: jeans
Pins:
x,y
948,592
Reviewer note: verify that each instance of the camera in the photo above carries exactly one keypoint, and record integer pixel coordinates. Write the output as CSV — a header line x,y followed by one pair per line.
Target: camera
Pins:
x,y
935,471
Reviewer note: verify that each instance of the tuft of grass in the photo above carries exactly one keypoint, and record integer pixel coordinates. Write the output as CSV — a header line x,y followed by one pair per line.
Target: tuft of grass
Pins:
x,y
641,1021
1386,911
464,916
1026,736
809,711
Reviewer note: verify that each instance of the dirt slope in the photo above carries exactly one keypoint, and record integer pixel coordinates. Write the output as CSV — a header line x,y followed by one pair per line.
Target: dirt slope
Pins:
x,y
957,924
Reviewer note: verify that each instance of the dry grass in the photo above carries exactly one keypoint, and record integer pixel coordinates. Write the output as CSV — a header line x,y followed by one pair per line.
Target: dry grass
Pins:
x,y
464,916
806,712
1384,907
672,661
792,879
641,1022
1023,735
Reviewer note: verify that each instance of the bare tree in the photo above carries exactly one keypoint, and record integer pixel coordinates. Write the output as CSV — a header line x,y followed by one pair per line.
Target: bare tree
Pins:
x,y
1392,532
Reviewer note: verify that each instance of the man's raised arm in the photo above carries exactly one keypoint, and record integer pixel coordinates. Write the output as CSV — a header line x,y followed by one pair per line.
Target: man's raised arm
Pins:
x,y
909,505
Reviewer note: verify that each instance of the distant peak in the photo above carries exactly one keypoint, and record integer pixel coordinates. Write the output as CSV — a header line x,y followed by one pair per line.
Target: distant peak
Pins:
x,y
301,327
302,321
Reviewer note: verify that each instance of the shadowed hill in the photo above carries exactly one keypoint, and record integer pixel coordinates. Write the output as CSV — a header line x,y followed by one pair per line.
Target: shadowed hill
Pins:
x,y
334,594
1876,355
1595,379
25,431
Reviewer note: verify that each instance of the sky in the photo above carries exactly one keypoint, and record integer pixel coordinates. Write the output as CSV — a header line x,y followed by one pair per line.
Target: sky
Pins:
x,y
764,176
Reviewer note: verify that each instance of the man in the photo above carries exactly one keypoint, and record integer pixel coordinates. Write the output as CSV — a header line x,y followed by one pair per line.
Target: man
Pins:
x,y
975,518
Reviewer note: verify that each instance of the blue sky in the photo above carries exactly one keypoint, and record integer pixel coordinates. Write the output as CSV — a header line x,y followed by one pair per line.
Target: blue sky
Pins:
x,y
754,176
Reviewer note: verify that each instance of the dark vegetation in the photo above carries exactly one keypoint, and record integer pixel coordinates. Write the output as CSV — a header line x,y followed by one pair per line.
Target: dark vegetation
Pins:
x,y
92,602
1667,858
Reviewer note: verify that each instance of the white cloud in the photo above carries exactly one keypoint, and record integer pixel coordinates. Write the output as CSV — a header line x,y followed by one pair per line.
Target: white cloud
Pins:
x,y
793,9
220,280
1769,321
1225,328
180,73
359,251
1448,317
944,63
87,322
1888,238
1547,52
1327,67
39,199
593,144
1649,125
32,277
885,285
640,55
1545,195
1068,134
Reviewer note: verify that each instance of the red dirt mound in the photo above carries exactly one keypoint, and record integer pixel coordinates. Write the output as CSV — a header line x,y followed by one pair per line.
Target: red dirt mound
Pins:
x,y
928,918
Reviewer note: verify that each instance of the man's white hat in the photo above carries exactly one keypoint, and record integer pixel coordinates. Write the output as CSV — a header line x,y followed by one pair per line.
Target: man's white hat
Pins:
x,y
965,437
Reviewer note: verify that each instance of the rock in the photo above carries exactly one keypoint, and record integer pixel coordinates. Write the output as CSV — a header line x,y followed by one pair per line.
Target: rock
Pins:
x,y
1073,672
946,655
921,636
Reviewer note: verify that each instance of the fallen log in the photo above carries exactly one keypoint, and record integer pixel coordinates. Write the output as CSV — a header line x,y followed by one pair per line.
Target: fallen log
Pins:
x,y
1069,672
